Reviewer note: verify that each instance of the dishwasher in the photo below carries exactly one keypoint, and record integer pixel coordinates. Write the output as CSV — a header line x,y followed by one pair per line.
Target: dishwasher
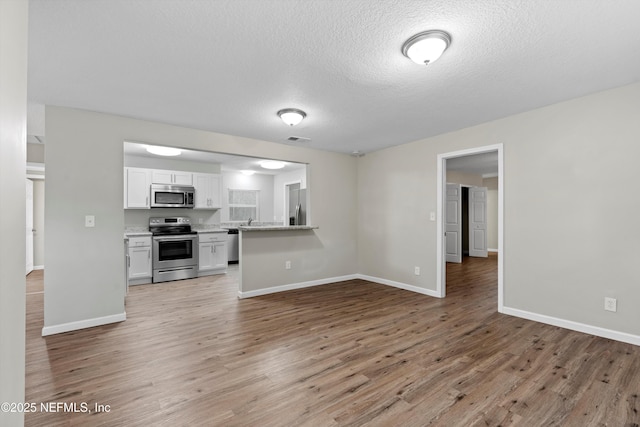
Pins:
x,y
233,246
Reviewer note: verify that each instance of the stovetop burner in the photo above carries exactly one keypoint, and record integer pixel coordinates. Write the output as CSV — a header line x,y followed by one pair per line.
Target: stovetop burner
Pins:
x,y
171,226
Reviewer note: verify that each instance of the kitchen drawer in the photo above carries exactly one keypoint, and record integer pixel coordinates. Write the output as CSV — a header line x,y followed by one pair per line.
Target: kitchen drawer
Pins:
x,y
139,241
212,237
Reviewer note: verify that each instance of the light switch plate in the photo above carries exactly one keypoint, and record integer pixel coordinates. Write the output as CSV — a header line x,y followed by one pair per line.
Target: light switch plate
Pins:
x,y
432,216
89,221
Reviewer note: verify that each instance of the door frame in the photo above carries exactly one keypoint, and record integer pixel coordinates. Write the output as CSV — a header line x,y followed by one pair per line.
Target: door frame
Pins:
x,y
441,171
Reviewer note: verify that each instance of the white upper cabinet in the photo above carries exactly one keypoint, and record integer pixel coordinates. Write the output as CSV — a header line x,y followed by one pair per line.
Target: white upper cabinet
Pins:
x,y
183,178
137,188
208,190
171,177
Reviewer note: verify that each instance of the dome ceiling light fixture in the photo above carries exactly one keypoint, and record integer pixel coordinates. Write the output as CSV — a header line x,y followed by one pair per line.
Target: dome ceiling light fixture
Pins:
x,y
163,151
426,47
291,116
272,164
247,172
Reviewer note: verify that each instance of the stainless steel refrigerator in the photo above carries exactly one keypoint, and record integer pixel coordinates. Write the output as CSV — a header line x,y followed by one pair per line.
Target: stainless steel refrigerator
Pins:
x,y
297,205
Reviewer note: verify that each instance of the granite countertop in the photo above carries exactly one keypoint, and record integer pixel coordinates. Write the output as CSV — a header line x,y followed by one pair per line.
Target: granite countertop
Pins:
x,y
136,231
276,227
210,230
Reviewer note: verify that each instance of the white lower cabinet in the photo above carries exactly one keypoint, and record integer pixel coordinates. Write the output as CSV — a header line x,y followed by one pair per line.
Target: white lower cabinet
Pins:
x,y
212,253
140,260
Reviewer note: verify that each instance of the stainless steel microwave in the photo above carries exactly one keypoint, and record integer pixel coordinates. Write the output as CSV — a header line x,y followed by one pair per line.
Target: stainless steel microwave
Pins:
x,y
172,196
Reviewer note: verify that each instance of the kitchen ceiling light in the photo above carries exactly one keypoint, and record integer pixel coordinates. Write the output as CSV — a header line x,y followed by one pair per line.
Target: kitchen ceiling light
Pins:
x,y
426,47
163,151
247,172
292,116
272,164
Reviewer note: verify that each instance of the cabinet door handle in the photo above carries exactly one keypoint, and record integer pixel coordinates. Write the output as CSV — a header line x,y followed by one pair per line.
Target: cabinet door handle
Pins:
x,y
214,248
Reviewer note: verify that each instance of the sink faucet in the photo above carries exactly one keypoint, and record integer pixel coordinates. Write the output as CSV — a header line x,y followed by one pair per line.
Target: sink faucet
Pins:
x,y
249,222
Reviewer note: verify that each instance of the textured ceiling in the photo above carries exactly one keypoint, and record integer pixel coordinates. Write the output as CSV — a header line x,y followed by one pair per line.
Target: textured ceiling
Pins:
x,y
229,65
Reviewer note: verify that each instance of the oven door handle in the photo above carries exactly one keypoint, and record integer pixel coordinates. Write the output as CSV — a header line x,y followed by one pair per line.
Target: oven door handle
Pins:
x,y
172,238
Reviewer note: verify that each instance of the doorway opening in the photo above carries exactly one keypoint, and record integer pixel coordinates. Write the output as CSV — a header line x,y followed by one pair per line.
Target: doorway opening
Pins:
x,y
442,202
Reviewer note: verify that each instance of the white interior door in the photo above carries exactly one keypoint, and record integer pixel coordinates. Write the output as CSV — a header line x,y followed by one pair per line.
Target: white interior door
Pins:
x,y
29,226
478,222
453,223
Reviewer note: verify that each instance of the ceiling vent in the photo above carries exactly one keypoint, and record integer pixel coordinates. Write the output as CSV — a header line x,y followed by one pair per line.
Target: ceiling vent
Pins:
x,y
298,139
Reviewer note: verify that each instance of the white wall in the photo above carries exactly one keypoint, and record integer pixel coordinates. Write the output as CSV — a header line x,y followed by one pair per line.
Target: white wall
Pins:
x,y
13,126
464,178
35,153
170,164
564,169
261,182
38,223
87,285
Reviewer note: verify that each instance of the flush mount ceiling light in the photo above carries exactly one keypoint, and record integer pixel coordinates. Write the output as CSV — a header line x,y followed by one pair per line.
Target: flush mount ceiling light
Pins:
x,y
247,172
272,164
163,151
426,47
292,116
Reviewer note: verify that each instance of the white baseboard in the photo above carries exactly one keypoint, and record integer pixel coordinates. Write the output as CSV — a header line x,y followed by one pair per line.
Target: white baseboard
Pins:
x,y
38,267
293,286
82,324
574,326
330,280
399,285
492,250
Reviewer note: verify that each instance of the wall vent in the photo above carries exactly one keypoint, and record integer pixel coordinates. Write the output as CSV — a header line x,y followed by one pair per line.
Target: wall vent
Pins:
x,y
298,139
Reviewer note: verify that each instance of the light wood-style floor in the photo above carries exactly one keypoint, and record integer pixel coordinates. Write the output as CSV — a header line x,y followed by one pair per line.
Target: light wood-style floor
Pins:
x,y
346,354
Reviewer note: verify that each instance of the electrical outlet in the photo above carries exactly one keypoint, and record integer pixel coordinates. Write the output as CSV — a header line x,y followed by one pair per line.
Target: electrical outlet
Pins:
x,y
610,304
89,221
416,271
287,265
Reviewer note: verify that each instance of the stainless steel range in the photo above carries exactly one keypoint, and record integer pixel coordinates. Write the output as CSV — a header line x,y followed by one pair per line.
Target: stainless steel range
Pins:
x,y
174,248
